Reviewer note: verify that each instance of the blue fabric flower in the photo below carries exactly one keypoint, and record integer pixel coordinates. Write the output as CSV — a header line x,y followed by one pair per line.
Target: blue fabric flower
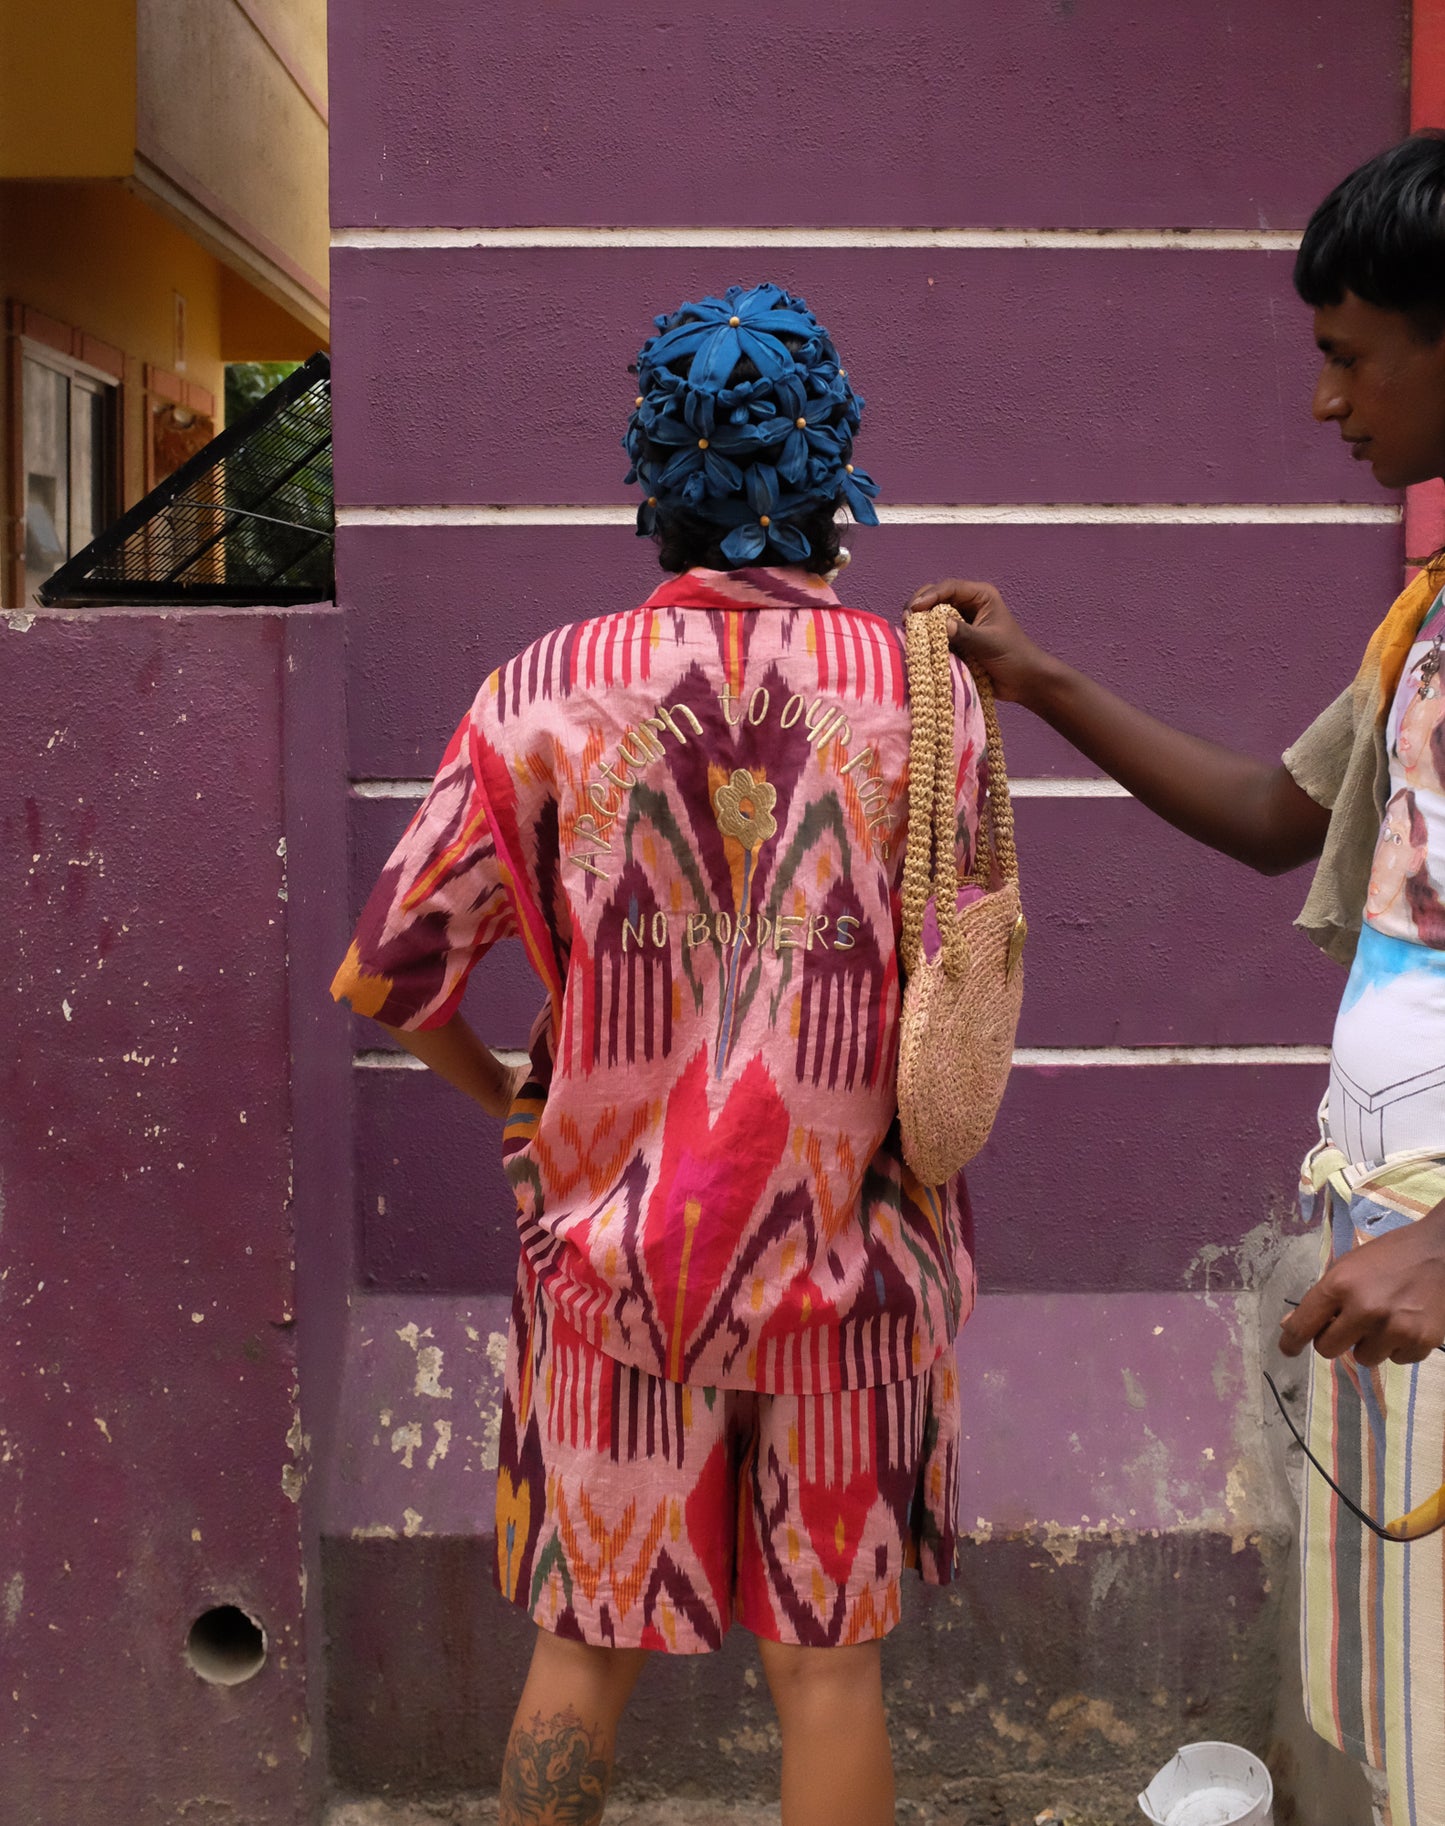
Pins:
x,y
754,455
859,489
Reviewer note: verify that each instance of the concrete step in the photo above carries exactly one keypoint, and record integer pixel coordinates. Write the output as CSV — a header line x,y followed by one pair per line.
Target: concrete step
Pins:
x,y
990,1807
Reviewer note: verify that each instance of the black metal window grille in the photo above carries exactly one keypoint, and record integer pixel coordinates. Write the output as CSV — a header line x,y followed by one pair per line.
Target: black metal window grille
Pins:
x,y
248,519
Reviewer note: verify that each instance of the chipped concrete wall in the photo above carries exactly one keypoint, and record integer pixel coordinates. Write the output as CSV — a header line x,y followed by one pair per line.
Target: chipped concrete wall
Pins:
x,y
170,1109
175,807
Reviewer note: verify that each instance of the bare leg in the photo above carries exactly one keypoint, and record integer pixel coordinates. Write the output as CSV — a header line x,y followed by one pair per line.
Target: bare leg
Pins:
x,y
837,1766
558,1765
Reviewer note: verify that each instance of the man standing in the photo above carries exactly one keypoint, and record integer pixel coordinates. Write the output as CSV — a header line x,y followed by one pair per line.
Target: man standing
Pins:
x,y
1363,792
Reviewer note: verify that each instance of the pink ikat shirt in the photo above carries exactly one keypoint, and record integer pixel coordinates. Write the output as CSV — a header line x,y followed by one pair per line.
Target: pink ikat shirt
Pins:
x,y
692,815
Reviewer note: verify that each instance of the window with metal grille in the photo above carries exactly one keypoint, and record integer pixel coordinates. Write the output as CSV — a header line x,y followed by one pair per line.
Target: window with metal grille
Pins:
x,y
248,519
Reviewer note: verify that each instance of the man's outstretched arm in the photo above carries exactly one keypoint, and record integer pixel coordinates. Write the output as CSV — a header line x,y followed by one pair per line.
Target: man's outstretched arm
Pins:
x,y
1384,1302
1251,810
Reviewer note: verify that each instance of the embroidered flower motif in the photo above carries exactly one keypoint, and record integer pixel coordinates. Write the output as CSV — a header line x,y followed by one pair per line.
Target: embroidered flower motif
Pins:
x,y
744,808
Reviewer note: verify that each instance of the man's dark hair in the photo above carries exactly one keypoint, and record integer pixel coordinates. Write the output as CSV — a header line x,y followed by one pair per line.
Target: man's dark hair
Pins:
x,y
1381,235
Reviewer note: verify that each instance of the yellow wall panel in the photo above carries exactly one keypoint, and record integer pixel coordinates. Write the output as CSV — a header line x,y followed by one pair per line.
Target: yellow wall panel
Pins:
x,y
96,257
254,328
67,88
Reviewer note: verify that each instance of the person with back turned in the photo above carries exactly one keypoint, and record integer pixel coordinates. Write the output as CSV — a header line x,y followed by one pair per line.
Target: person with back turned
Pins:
x,y
730,1389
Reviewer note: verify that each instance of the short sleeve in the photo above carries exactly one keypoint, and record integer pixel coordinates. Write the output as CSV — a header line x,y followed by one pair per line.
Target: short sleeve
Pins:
x,y
439,905
1318,760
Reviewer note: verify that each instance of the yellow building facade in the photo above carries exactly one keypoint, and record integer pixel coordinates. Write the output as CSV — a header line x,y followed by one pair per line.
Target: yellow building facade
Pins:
x,y
163,211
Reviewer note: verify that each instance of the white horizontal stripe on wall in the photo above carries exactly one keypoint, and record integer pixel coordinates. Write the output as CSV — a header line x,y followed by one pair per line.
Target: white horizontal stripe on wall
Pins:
x,y
1080,788
1022,513
1085,788
1050,1057
1184,240
389,789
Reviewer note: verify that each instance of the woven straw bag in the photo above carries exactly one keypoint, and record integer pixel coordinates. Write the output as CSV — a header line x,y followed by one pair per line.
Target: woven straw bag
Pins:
x,y
960,1008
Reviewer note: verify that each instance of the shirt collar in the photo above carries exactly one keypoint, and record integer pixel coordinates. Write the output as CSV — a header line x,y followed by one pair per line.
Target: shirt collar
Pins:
x,y
753,587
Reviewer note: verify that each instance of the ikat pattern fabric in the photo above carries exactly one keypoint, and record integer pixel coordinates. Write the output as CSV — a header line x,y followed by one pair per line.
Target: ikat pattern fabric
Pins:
x,y
692,815
1373,1616
634,1512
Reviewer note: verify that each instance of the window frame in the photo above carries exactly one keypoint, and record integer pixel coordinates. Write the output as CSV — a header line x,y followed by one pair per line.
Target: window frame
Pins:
x,y
95,382
32,336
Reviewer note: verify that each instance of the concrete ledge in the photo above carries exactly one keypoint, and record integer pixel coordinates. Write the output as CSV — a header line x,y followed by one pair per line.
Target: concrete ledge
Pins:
x,y
1084,1415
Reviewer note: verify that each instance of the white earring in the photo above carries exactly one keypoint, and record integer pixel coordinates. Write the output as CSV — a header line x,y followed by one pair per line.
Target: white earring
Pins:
x,y
845,558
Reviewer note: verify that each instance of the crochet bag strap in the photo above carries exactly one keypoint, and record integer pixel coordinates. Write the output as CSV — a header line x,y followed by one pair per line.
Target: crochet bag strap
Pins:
x,y
930,849
930,867
994,852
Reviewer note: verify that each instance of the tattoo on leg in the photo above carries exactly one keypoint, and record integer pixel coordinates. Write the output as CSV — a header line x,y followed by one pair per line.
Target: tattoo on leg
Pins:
x,y
555,1773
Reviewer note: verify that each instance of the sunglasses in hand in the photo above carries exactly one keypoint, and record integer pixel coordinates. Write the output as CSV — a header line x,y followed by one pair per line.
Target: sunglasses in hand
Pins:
x,y
1424,1519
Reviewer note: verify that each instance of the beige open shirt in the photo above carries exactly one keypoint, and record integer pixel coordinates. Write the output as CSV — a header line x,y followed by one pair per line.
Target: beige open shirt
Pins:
x,y
1340,761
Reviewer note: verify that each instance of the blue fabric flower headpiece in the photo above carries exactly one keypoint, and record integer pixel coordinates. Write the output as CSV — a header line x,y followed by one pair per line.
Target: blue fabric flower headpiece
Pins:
x,y
756,455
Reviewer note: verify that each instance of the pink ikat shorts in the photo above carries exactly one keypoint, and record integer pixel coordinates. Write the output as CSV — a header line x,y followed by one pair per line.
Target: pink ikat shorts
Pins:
x,y
633,1512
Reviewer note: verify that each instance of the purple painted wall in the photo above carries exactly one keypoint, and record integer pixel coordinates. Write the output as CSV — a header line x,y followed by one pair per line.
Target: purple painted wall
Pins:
x,y
990,375
1230,629
157,1159
1052,113
495,373
643,153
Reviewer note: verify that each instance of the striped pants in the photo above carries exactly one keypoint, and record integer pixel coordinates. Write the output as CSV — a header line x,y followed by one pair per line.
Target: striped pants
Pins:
x,y
1373,1623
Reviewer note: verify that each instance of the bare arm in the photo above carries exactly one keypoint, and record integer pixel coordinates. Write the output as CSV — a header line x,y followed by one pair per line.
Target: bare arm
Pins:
x,y
1251,810
1385,1301
455,1053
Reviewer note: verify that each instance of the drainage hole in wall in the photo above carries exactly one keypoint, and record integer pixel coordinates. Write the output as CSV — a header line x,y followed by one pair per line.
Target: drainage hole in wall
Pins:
x,y
226,1646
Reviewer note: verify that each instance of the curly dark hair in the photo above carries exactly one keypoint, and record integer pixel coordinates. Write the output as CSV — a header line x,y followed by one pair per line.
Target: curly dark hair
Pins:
x,y
685,542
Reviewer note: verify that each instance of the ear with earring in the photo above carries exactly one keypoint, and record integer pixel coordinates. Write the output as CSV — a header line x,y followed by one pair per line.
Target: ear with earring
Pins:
x,y
845,558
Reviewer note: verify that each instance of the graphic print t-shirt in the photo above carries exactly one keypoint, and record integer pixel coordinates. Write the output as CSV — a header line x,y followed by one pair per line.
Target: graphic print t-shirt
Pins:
x,y
1387,1073
693,817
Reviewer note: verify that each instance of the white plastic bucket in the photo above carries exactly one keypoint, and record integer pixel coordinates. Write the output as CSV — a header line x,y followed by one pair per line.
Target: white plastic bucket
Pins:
x,y
1210,1785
